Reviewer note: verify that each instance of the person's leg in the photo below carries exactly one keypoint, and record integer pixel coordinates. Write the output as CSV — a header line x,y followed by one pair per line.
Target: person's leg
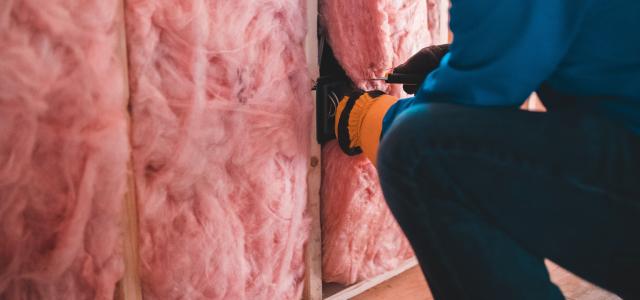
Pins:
x,y
484,195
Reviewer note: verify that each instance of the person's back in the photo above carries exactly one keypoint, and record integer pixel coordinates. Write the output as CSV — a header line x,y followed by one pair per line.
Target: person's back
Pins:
x,y
601,69
503,50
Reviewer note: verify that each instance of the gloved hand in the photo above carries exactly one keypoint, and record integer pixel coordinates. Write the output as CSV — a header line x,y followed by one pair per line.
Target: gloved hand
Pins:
x,y
423,63
359,122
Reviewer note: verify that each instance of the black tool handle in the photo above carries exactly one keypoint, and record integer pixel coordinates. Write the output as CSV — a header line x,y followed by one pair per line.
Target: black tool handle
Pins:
x,y
407,79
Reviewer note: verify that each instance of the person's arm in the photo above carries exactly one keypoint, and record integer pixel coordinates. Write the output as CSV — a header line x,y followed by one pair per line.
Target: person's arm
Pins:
x,y
502,50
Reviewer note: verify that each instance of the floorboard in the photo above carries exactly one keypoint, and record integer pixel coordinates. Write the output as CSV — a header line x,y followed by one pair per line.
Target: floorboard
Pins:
x,y
411,285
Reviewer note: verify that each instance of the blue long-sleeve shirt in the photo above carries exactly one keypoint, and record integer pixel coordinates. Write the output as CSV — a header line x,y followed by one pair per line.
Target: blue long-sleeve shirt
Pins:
x,y
587,51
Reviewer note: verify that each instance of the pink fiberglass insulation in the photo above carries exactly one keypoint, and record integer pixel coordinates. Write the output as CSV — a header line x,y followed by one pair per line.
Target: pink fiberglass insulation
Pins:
x,y
221,119
63,149
395,29
360,237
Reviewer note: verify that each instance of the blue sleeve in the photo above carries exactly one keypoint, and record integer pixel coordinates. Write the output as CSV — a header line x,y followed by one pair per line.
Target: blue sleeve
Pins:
x,y
502,50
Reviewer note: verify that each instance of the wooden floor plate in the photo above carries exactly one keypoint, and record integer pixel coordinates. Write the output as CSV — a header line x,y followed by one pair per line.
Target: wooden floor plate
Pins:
x,y
339,292
409,285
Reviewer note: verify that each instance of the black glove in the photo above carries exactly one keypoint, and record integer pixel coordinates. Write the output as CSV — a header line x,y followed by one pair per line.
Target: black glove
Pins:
x,y
422,63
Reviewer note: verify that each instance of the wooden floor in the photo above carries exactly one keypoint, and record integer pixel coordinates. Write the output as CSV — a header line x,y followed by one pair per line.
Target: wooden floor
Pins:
x,y
411,285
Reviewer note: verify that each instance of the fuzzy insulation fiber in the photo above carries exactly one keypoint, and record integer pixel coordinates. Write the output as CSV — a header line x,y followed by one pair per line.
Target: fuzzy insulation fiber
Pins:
x,y
221,120
63,149
361,239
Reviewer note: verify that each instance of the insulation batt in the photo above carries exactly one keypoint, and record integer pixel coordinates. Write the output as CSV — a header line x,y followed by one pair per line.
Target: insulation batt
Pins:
x,y
221,108
63,149
360,236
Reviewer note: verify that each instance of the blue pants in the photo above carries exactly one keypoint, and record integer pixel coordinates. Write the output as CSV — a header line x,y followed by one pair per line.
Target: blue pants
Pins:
x,y
485,194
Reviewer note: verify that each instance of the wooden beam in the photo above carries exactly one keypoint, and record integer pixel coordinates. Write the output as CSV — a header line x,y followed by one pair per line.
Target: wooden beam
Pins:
x,y
129,287
313,251
130,284
345,293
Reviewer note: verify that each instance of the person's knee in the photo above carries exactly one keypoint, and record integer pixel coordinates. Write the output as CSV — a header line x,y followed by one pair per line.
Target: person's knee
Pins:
x,y
400,157
408,135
